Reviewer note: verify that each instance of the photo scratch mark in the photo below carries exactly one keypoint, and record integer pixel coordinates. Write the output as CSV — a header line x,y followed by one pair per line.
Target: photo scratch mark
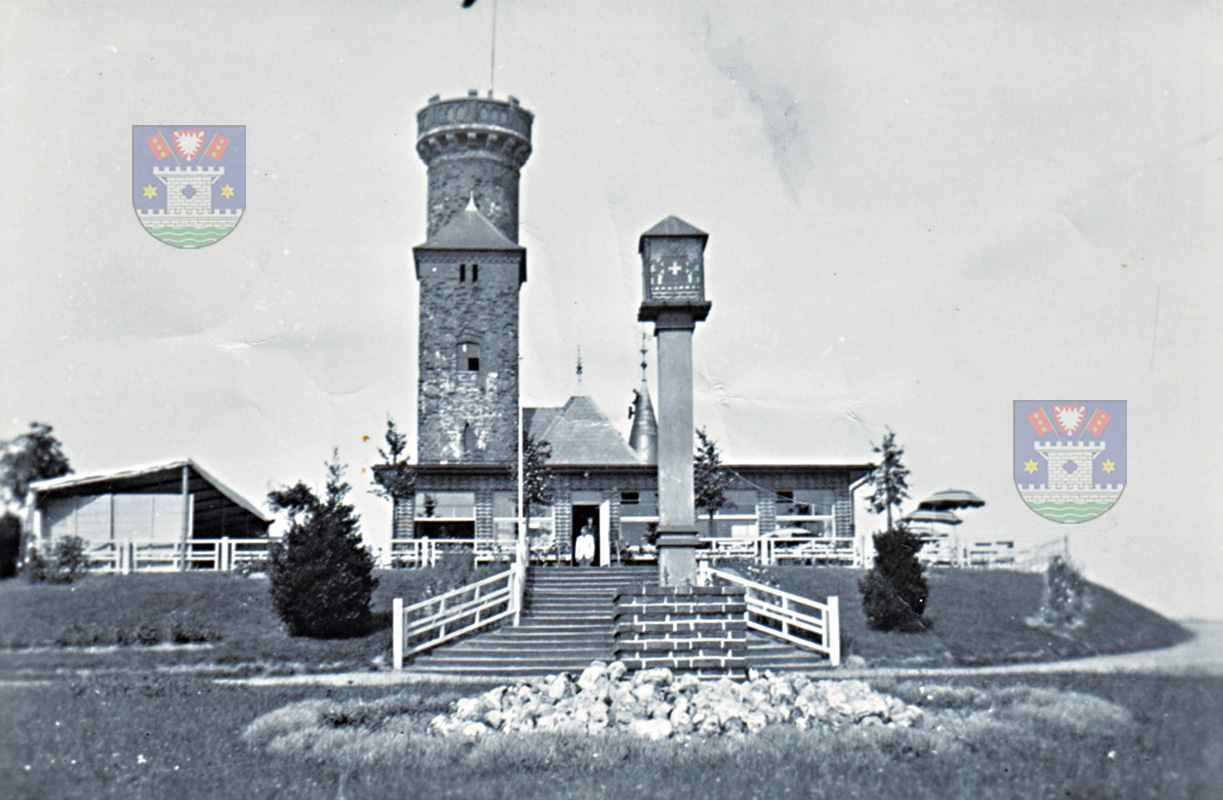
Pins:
x,y
1155,330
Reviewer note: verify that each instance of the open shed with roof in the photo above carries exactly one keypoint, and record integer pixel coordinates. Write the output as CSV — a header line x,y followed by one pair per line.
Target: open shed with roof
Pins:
x,y
164,506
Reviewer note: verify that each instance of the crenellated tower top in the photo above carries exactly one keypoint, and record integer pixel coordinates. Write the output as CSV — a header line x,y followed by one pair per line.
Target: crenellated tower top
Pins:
x,y
474,147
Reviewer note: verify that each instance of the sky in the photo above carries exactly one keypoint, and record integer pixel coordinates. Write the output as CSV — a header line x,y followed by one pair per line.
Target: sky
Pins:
x,y
918,215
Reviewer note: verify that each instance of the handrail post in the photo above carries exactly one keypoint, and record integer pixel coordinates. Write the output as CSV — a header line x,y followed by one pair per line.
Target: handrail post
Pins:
x,y
517,588
227,554
397,632
832,629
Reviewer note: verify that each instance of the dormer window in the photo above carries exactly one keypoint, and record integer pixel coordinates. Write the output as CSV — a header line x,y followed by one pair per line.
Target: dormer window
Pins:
x,y
468,357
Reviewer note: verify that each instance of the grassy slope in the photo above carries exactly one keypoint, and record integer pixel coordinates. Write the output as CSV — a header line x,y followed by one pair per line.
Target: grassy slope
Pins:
x,y
238,610
978,618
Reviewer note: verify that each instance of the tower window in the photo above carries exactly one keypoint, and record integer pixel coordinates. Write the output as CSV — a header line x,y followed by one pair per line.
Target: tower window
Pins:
x,y
468,357
462,273
475,272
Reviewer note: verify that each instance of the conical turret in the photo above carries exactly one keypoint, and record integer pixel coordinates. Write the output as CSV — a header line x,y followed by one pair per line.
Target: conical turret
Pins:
x,y
644,436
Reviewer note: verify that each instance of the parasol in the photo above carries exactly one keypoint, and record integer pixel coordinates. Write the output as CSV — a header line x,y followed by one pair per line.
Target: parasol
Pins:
x,y
951,499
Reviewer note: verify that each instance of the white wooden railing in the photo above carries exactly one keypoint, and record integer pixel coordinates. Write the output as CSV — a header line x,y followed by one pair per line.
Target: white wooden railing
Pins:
x,y
426,552
437,620
220,555
769,550
798,620
779,549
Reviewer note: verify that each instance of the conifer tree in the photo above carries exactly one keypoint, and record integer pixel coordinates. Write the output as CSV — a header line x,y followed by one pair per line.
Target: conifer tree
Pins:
x,y
895,591
537,486
322,580
890,477
710,478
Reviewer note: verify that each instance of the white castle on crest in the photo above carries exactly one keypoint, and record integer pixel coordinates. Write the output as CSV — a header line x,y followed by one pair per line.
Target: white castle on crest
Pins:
x,y
1069,471
189,200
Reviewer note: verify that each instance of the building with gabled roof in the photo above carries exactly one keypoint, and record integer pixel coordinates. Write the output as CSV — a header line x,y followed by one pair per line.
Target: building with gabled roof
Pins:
x,y
470,271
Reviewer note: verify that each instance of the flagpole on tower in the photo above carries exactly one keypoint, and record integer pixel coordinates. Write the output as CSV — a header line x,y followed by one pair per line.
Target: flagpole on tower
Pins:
x,y
492,58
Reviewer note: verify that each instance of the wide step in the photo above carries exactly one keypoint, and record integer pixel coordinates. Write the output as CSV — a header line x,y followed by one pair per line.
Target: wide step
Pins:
x,y
567,622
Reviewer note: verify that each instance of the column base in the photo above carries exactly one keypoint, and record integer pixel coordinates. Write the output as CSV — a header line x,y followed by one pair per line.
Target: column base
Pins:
x,y
677,556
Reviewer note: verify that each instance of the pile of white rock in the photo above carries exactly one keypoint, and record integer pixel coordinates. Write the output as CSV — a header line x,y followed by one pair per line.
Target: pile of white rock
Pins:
x,y
657,704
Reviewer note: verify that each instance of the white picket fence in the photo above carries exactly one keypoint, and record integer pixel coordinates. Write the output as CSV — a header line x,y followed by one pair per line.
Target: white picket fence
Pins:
x,y
437,620
219,555
798,620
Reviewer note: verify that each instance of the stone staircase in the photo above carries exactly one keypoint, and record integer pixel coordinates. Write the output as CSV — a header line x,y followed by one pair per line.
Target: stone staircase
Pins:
x,y
567,622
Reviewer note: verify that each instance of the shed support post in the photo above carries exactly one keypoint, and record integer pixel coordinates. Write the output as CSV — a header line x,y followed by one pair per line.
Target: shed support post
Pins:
x,y
182,560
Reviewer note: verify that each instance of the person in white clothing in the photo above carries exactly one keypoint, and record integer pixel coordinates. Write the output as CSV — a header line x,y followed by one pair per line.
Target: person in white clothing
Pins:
x,y
584,549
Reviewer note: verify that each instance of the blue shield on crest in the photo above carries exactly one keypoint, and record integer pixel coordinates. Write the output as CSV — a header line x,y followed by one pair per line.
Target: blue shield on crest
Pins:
x,y
189,181
1070,457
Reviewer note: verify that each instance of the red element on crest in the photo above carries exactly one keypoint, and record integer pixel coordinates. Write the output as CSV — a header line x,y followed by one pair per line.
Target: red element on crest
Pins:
x,y
188,143
157,144
1069,418
1099,421
216,148
1040,422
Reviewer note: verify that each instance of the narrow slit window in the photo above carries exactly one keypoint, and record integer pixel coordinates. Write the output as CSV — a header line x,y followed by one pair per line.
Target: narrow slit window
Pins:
x,y
462,273
475,272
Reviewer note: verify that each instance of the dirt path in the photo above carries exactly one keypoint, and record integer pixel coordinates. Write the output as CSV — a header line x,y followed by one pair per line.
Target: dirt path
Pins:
x,y
1202,655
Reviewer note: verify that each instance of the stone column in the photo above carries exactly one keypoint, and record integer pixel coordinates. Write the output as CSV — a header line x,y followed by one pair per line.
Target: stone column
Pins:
x,y
677,539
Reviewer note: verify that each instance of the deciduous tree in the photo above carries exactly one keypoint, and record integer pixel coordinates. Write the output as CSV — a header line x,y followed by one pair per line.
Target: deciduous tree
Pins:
x,y
33,456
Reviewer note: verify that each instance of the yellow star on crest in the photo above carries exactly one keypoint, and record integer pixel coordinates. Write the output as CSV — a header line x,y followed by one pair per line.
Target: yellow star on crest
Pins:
x,y
150,191
1030,466
1109,466
227,191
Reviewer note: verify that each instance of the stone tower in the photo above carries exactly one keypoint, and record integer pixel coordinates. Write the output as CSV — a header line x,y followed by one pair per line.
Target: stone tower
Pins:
x,y
469,272
474,148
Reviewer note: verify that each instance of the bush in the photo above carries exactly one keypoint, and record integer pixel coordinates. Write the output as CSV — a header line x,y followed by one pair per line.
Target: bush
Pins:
x,y
69,562
322,579
10,544
894,592
1067,598
455,568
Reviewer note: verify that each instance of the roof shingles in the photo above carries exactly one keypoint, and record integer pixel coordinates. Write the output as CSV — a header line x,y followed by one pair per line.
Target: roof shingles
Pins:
x,y
579,433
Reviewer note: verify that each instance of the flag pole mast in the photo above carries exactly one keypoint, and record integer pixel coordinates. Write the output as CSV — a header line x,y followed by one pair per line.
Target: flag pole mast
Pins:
x,y
492,58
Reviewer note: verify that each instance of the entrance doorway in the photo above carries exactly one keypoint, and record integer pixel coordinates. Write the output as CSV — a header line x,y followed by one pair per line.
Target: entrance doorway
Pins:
x,y
586,518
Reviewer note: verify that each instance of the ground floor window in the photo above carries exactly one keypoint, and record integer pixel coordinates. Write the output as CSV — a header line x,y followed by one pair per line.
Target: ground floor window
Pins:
x,y
445,515
808,509
638,521
737,519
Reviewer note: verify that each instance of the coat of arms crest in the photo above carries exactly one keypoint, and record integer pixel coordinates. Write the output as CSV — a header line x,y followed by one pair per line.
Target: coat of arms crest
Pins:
x,y
1070,463
189,181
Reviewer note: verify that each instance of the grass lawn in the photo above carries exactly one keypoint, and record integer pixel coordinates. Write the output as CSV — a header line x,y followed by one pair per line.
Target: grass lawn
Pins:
x,y
978,618
108,723
175,736
233,614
